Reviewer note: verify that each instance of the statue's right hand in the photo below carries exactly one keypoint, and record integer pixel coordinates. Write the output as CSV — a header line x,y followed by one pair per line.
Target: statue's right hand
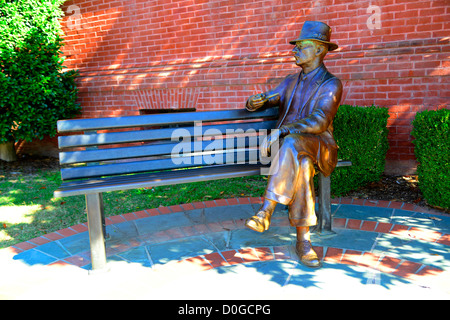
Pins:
x,y
256,101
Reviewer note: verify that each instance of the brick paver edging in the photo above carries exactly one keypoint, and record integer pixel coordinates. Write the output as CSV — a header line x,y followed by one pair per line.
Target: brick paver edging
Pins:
x,y
383,263
381,227
412,271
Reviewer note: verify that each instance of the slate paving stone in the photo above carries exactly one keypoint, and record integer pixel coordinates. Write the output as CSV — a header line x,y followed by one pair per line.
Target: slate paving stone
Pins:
x,y
56,249
277,271
363,213
275,236
137,255
439,223
221,240
228,213
179,249
162,222
75,243
196,216
414,250
347,239
34,257
342,275
171,237
122,230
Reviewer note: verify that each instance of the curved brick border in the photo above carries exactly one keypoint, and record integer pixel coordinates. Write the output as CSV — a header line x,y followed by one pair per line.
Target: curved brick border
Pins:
x,y
382,227
399,267
383,263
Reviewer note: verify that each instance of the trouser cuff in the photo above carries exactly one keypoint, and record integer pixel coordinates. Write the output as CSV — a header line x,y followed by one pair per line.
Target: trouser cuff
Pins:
x,y
277,197
303,222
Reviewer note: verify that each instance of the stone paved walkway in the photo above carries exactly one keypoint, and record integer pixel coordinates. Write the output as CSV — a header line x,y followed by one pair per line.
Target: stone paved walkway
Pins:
x,y
202,250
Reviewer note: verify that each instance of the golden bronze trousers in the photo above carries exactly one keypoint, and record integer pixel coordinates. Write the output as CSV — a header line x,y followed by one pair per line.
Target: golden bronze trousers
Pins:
x,y
291,179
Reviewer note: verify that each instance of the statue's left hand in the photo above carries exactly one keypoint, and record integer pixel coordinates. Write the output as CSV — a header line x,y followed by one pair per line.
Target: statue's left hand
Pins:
x,y
265,147
273,137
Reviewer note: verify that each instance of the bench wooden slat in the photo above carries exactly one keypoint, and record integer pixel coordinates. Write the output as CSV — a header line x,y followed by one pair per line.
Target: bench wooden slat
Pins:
x,y
234,157
343,163
72,157
97,139
160,119
155,179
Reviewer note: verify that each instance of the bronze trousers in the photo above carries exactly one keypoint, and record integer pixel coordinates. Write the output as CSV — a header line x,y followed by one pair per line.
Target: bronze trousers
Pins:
x,y
291,183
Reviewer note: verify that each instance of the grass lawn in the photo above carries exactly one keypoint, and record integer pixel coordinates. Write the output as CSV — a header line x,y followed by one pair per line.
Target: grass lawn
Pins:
x,y
28,209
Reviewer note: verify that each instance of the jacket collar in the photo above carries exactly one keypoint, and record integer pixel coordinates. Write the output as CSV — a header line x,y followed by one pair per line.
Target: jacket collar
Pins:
x,y
317,78
318,75
304,76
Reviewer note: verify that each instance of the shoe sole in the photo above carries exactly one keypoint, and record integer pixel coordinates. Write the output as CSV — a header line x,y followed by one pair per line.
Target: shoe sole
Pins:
x,y
252,227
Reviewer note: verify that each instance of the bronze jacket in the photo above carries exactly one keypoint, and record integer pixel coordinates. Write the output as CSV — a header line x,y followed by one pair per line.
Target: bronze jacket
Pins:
x,y
315,116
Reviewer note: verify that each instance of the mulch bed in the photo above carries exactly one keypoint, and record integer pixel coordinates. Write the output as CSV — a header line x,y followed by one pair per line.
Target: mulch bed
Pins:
x,y
28,165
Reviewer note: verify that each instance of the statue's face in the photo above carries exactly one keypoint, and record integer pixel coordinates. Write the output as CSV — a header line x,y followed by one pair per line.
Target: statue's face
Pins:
x,y
304,52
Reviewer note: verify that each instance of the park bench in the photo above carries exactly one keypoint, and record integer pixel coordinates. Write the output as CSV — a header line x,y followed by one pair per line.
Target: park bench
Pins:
x,y
119,153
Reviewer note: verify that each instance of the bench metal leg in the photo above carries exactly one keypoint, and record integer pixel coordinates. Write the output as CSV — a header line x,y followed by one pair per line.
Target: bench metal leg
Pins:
x,y
324,217
94,206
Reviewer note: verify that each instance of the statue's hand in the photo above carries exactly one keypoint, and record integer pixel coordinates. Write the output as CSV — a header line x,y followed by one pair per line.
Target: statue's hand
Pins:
x,y
265,147
273,137
256,101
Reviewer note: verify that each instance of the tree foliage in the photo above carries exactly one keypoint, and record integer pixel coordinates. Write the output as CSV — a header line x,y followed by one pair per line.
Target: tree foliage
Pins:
x,y
34,90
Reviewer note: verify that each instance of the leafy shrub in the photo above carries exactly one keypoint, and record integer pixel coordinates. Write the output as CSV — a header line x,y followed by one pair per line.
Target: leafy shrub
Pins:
x,y
34,92
431,130
361,135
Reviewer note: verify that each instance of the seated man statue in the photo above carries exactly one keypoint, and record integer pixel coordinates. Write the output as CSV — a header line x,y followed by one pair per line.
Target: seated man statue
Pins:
x,y
308,102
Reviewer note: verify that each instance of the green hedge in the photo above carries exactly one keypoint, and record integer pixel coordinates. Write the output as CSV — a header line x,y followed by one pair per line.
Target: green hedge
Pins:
x,y
431,130
35,92
361,134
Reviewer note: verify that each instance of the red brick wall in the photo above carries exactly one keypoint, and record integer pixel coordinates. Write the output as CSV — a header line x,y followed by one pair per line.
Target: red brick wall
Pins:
x,y
210,54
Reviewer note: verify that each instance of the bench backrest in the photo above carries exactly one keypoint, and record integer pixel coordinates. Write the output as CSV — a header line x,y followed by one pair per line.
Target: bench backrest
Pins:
x,y
126,145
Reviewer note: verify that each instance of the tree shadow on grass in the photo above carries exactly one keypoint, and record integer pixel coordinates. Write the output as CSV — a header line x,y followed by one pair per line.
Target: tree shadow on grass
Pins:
x,y
28,209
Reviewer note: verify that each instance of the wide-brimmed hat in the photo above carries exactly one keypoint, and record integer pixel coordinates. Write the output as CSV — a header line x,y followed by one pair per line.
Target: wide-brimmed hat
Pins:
x,y
318,31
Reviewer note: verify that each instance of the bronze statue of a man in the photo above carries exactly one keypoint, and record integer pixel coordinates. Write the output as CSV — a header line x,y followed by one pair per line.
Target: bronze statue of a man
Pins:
x,y
308,102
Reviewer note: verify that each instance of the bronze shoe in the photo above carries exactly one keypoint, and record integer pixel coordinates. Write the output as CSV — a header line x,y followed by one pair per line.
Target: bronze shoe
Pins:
x,y
307,255
259,222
